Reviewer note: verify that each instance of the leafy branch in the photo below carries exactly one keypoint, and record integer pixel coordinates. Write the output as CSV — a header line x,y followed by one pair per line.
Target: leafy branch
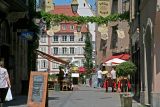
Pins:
x,y
83,19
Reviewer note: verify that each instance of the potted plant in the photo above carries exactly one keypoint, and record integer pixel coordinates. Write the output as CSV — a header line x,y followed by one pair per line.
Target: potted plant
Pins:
x,y
126,68
123,70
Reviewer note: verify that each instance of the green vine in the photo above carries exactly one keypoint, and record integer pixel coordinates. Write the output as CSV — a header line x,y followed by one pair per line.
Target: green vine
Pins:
x,y
83,19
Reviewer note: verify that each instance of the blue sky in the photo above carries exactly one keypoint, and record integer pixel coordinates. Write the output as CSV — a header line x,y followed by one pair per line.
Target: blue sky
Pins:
x,y
60,2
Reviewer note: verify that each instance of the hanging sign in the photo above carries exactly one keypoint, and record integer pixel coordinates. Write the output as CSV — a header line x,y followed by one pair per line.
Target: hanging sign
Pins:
x,y
104,8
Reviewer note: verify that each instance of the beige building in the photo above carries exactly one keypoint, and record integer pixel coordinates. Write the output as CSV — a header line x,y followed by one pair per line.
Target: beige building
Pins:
x,y
112,38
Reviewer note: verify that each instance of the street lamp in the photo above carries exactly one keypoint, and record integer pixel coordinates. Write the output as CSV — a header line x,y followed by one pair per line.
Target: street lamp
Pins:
x,y
74,6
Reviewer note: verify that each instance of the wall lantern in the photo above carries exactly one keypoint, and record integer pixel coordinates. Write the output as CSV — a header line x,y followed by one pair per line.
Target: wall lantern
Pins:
x,y
74,6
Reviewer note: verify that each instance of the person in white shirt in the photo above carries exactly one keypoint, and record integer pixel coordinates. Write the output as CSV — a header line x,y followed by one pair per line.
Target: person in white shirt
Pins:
x,y
4,83
113,73
99,77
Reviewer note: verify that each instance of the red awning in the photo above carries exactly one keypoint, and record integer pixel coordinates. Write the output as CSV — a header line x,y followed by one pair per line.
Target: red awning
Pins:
x,y
121,56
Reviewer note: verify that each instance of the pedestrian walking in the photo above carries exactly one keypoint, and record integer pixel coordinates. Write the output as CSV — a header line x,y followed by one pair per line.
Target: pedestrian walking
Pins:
x,y
60,77
4,83
99,78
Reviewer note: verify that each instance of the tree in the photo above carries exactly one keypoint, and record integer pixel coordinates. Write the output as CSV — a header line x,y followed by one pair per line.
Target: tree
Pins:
x,y
88,64
126,68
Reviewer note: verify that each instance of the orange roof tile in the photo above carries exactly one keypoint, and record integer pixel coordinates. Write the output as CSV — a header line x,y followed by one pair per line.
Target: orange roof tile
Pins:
x,y
84,28
63,9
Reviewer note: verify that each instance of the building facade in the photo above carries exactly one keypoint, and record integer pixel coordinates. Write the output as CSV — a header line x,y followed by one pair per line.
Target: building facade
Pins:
x,y
62,41
149,23
147,39
111,38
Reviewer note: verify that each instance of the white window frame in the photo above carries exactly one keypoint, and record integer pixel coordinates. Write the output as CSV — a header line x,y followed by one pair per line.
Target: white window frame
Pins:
x,y
71,37
43,49
82,38
43,38
55,38
55,50
71,27
72,50
64,26
55,65
64,50
44,64
64,38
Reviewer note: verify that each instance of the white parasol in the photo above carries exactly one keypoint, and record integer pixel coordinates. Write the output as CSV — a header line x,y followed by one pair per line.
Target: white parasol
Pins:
x,y
114,62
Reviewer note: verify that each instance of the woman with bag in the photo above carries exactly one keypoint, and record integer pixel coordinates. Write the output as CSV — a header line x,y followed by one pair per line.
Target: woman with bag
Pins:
x,y
4,83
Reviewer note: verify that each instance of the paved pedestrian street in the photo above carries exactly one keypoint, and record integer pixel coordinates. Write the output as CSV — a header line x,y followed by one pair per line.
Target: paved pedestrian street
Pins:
x,y
84,97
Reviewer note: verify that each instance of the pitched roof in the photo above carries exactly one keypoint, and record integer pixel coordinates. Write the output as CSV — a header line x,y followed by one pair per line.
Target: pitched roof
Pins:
x,y
63,9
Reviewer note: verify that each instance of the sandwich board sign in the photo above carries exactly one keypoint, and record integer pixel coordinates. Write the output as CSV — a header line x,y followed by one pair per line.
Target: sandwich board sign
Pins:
x,y
37,89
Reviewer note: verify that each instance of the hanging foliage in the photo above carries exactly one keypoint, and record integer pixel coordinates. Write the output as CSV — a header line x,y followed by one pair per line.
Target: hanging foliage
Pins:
x,y
83,19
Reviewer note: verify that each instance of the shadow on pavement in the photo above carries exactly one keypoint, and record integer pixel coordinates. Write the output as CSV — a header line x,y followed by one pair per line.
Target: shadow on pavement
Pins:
x,y
53,98
20,100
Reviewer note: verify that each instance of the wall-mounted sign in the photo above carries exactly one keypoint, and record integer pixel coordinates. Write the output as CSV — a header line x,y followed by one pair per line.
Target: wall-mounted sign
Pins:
x,y
75,75
27,35
37,89
104,8
121,34
103,29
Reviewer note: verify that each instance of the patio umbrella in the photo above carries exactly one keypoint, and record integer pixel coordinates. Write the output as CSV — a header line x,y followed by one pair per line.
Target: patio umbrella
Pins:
x,y
114,61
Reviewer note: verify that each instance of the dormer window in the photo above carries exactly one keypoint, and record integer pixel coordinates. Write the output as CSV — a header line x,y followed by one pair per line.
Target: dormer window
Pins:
x,y
64,27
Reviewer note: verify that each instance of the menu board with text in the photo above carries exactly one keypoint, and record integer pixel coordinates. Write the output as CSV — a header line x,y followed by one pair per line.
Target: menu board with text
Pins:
x,y
37,89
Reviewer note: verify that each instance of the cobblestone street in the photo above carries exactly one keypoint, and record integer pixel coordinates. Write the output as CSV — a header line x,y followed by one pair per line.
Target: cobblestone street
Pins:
x,y
84,97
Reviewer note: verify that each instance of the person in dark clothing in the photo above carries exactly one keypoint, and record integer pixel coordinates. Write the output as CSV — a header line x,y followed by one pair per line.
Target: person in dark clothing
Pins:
x,y
60,77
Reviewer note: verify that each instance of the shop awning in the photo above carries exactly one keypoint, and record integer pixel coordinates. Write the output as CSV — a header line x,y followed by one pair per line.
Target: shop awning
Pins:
x,y
120,56
51,58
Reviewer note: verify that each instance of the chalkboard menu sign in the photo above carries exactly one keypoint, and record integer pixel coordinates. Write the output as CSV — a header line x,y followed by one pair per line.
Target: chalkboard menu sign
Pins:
x,y
37,89
38,82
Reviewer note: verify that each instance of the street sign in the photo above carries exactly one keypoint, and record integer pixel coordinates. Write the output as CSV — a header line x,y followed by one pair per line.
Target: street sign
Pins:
x,y
37,89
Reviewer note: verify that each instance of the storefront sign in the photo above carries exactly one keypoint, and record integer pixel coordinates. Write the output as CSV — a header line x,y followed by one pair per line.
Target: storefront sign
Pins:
x,y
37,89
75,75
104,8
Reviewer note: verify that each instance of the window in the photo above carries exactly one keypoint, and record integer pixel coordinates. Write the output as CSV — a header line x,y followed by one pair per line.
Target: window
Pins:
x,y
44,64
43,38
72,38
55,38
55,65
72,50
43,49
64,27
114,38
64,38
55,50
115,6
64,50
81,50
82,38
72,27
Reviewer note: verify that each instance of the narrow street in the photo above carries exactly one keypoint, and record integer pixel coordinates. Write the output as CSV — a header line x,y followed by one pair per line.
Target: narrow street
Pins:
x,y
84,97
